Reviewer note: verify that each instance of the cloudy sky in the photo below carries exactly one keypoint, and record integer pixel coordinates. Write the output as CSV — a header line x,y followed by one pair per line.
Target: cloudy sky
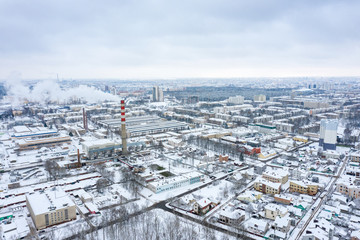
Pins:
x,y
176,39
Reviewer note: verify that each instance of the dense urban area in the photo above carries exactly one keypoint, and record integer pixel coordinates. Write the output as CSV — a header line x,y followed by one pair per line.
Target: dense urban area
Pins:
x,y
186,159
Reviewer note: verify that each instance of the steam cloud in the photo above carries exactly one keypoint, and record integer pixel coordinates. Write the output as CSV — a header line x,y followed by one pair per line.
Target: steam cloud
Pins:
x,y
50,91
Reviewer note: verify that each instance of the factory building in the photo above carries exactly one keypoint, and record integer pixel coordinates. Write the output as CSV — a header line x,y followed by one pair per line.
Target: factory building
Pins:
x,y
100,148
38,132
328,134
50,208
155,127
144,125
26,144
116,123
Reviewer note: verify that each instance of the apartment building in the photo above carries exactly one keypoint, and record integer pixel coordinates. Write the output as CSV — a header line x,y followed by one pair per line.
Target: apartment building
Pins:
x,y
304,187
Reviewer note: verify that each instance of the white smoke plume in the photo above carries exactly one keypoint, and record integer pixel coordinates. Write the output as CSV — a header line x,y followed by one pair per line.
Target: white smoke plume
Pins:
x,y
50,91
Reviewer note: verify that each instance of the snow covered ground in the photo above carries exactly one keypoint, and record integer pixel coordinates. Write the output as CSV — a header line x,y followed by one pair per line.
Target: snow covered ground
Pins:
x,y
158,224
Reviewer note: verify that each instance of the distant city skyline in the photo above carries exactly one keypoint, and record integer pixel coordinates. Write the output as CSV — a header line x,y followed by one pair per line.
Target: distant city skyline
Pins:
x,y
186,39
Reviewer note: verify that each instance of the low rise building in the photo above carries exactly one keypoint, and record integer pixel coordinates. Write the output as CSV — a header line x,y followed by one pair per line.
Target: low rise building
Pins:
x,y
346,185
175,182
100,148
267,187
257,226
202,206
249,196
355,157
259,168
283,199
276,176
300,139
26,144
231,217
304,187
267,154
282,224
273,211
50,208
38,132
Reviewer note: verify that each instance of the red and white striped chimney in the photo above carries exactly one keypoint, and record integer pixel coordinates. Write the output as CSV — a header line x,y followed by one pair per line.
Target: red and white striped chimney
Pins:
x,y
123,128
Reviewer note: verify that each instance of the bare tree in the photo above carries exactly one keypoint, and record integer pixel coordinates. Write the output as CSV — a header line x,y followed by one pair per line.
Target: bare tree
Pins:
x,y
101,184
53,169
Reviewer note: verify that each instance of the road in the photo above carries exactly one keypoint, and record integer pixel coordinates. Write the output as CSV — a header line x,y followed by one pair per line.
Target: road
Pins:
x,y
323,199
85,217
159,205
162,205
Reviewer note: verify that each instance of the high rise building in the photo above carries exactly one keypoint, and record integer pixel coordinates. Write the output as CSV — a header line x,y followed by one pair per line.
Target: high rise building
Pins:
x,y
259,98
328,133
236,100
158,94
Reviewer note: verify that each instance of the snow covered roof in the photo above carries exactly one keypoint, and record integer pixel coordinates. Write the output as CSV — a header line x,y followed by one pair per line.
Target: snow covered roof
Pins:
x,y
276,208
51,199
268,183
276,173
323,224
228,213
318,233
282,196
98,143
282,222
21,129
256,223
203,202
355,234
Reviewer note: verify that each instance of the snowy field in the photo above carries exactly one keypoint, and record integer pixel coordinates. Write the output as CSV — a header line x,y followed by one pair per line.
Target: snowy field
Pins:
x,y
158,224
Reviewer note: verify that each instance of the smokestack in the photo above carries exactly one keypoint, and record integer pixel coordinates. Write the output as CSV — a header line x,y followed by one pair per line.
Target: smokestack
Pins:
x,y
78,156
123,128
85,120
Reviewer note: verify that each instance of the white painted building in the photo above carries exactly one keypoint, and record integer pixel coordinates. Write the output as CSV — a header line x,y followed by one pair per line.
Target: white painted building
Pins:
x,y
328,133
175,182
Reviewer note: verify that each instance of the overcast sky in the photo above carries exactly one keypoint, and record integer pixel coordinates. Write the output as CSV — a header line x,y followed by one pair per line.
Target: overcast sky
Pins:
x,y
175,39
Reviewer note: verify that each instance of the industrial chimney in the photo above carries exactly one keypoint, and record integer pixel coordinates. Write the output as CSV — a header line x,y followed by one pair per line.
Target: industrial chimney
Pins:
x,y
85,120
78,158
123,128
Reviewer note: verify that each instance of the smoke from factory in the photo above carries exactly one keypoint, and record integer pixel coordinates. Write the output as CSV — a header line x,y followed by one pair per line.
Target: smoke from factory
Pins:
x,y
50,91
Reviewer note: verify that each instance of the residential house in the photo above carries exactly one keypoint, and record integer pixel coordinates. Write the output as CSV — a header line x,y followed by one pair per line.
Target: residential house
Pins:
x,y
355,235
273,210
259,168
282,224
281,227
267,154
346,185
304,187
202,206
279,198
319,229
276,176
257,226
267,187
300,139
249,196
355,157
231,217
331,154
